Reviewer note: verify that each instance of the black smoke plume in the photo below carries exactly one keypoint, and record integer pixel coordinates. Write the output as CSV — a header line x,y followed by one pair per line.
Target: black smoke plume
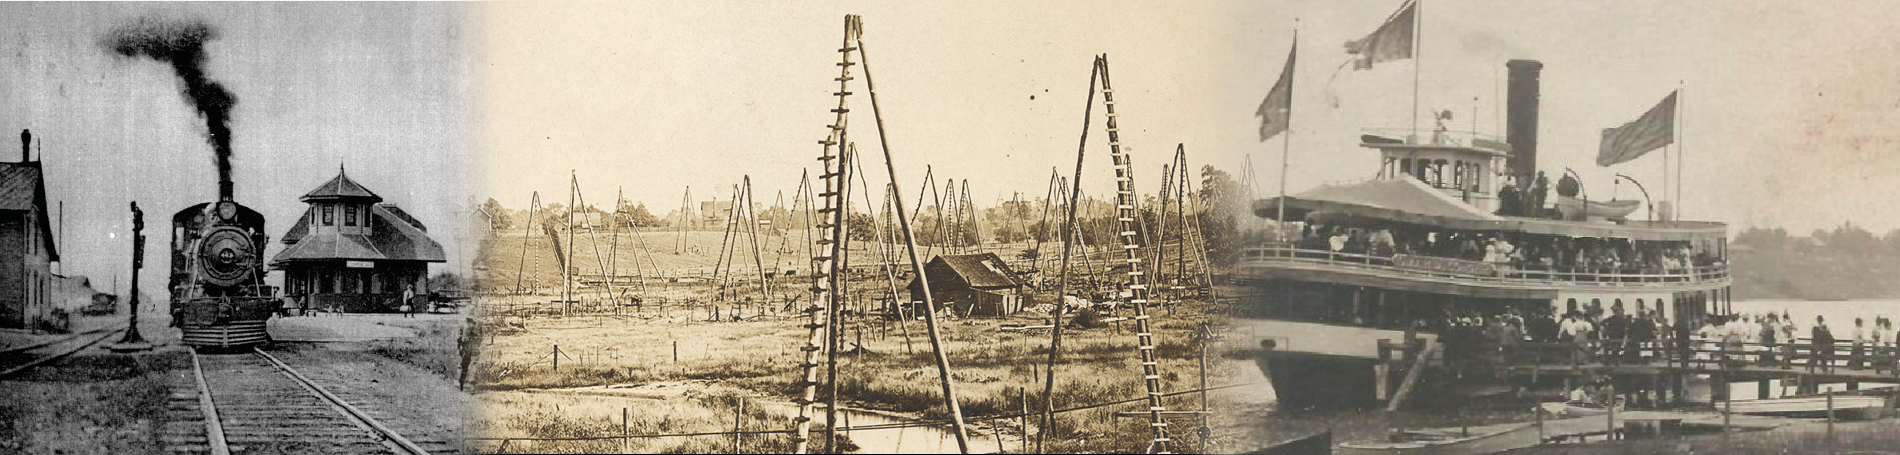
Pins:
x,y
180,43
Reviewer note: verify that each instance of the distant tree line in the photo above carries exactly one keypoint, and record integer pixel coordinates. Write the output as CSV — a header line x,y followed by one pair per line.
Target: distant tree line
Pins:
x,y
1846,239
1215,205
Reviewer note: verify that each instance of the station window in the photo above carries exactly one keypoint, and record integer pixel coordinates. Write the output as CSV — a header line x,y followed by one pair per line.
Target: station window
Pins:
x,y
329,215
349,215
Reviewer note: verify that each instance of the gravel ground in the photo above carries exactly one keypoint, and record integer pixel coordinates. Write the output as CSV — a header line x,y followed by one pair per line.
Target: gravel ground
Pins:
x,y
421,405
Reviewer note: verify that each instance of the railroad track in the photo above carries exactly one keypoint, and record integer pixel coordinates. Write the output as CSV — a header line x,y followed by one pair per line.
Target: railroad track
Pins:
x,y
19,359
251,402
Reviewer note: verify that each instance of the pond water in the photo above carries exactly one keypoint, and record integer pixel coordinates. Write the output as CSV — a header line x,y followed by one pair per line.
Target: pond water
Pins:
x,y
932,439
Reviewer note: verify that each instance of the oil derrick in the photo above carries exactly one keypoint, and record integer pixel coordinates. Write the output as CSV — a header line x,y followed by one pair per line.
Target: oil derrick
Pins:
x,y
828,285
831,232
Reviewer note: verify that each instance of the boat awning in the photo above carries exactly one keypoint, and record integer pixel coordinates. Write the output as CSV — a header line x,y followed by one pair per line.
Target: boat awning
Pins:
x,y
1403,200
1660,231
1409,201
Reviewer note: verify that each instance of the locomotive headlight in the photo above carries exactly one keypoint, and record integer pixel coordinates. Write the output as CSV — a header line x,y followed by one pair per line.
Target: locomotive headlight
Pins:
x,y
227,210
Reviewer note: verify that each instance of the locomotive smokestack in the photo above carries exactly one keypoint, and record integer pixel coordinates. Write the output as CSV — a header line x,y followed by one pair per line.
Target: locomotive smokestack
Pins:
x,y
26,145
1520,128
180,43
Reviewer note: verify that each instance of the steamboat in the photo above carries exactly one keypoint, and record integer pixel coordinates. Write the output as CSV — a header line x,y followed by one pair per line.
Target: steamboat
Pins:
x,y
1378,286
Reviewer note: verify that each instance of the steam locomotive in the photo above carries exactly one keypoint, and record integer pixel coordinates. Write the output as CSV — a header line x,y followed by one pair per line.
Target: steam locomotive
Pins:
x,y
218,295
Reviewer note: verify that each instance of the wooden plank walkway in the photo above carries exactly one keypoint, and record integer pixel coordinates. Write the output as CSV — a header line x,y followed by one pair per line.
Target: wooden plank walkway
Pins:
x,y
1740,361
1580,429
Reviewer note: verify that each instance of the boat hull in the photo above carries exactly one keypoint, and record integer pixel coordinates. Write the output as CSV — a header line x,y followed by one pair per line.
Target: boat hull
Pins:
x,y
1321,442
1496,439
1846,407
1572,410
1311,382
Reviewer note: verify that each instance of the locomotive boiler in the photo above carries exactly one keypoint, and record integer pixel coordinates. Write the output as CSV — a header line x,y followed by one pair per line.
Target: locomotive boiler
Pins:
x,y
218,294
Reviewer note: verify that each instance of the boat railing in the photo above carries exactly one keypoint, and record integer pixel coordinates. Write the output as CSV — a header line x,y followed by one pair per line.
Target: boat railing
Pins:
x,y
1840,357
1428,136
1447,268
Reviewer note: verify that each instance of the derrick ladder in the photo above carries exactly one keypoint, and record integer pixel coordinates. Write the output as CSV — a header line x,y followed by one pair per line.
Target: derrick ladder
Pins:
x,y
1128,223
831,224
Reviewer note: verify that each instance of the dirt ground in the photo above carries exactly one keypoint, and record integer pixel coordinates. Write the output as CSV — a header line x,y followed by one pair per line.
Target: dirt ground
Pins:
x,y
98,402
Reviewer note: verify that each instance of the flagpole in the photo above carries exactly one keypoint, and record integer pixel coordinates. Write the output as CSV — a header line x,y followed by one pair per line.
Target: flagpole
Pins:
x,y
1679,135
1418,20
1286,138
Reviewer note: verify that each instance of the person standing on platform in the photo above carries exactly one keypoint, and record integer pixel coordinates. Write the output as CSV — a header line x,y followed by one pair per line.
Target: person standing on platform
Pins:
x,y
1540,189
408,307
1855,359
1823,346
1787,327
1767,332
1733,331
1509,200
1642,332
1542,326
1877,338
1575,331
469,344
1615,333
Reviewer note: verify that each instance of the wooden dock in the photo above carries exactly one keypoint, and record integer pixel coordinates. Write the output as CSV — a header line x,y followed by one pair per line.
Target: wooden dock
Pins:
x,y
1584,429
1664,363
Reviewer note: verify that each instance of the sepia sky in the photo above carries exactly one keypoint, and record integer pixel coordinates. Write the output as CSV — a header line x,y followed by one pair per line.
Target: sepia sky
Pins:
x,y
1786,118
384,89
655,99
1786,121
1787,110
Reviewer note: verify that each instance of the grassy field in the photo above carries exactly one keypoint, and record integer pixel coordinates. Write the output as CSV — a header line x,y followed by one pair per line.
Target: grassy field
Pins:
x,y
502,255
514,414
434,348
758,359
90,404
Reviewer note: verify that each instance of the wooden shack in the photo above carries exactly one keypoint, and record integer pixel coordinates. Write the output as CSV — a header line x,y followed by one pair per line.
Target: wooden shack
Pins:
x,y
972,285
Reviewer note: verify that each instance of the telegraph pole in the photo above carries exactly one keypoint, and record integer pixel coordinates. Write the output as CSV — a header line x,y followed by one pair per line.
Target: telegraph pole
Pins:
x,y
132,341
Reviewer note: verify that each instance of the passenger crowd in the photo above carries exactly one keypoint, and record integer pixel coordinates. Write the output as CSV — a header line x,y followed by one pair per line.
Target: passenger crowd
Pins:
x,y
1612,336
1619,337
1515,250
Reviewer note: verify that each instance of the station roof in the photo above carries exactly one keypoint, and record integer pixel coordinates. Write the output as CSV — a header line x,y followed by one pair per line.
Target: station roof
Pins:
x,y
394,236
23,188
340,188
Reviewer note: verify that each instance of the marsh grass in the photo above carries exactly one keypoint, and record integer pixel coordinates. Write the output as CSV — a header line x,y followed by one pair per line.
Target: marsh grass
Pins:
x,y
511,414
991,369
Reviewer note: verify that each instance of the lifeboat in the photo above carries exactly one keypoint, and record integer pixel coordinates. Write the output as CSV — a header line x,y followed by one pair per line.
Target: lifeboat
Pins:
x,y
1614,210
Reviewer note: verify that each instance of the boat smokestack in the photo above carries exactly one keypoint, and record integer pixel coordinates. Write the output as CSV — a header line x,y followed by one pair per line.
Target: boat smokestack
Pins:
x,y
1520,128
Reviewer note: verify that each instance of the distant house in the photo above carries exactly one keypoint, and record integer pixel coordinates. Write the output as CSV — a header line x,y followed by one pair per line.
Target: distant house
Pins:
x,y
27,247
480,222
351,251
713,214
972,285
